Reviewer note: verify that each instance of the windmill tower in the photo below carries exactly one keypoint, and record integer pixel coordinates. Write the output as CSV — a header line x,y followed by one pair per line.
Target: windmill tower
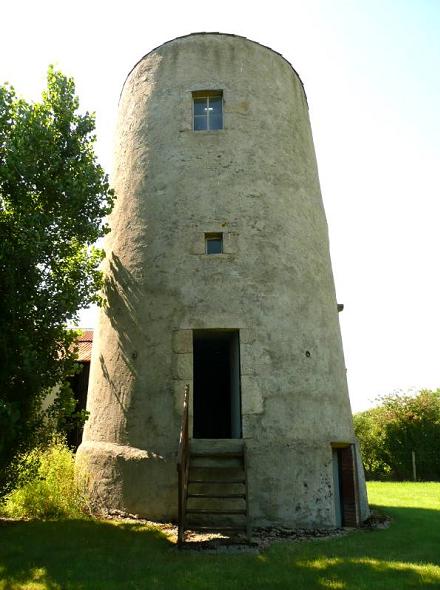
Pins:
x,y
219,276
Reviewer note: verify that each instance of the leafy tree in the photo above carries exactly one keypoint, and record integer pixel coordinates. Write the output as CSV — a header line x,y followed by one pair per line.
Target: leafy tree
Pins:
x,y
399,425
369,430
53,197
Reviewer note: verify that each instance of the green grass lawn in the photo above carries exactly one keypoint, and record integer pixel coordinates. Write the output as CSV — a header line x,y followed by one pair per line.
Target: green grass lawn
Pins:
x,y
90,555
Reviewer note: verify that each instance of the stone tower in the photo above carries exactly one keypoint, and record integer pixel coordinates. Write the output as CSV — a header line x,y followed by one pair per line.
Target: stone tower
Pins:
x,y
219,275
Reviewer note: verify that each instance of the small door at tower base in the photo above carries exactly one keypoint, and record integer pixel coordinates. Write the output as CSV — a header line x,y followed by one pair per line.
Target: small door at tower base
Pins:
x,y
345,485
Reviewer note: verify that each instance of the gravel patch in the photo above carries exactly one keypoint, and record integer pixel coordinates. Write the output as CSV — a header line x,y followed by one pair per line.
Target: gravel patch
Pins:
x,y
216,542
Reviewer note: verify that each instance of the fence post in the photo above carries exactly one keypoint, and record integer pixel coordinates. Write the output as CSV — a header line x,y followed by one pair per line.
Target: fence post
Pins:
x,y
414,465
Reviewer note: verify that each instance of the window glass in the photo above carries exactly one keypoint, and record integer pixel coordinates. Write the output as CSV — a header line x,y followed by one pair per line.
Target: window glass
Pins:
x,y
216,122
214,243
215,105
208,110
200,106
200,123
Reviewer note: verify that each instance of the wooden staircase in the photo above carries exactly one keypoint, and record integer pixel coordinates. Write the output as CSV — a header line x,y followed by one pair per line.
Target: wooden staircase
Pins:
x,y
213,491
217,498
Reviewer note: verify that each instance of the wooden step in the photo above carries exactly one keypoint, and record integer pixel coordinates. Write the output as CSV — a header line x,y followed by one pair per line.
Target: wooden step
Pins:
x,y
200,445
217,465
227,460
213,511
221,496
217,455
216,481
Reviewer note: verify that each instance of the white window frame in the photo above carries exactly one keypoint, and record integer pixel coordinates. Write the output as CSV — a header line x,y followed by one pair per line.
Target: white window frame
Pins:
x,y
207,94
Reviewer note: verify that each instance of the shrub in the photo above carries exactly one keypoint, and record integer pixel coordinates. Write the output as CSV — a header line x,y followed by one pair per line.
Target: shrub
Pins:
x,y
369,429
47,487
401,424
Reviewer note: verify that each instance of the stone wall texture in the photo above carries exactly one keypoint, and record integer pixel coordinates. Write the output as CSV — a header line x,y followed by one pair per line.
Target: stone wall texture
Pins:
x,y
256,181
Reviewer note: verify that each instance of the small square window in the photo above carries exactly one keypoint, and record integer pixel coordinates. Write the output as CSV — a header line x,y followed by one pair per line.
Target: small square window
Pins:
x,y
207,110
214,243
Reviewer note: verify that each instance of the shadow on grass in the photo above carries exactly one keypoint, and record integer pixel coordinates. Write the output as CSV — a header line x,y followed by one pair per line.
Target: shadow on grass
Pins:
x,y
77,553
90,555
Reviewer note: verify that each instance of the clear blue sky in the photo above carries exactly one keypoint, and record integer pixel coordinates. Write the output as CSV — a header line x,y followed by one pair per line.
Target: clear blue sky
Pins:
x,y
371,71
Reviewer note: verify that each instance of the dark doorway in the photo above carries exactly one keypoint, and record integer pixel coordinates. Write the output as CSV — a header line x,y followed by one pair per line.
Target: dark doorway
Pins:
x,y
79,384
345,486
217,404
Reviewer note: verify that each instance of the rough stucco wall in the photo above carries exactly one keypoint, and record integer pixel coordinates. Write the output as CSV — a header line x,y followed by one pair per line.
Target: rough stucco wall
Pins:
x,y
257,182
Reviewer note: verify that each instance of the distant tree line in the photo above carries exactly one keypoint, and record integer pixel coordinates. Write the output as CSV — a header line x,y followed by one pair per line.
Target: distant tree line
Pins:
x,y
397,427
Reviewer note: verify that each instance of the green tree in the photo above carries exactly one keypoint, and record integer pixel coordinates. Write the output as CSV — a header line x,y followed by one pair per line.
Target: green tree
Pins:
x,y
53,198
401,424
369,429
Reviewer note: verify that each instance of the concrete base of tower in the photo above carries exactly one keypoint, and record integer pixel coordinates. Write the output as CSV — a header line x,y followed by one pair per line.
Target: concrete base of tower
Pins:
x,y
303,484
135,481
294,484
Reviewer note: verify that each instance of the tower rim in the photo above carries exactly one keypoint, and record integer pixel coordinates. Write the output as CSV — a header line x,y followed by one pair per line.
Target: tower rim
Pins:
x,y
219,34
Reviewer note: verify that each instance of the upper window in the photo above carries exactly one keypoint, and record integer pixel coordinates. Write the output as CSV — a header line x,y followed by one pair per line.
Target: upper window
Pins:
x,y
214,243
208,110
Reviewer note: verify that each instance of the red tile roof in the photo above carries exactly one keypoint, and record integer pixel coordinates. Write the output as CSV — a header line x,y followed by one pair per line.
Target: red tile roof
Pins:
x,y
84,343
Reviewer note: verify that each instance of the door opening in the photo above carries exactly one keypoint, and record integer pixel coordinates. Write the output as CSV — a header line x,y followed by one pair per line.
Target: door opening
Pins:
x,y
337,486
216,374
79,384
345,487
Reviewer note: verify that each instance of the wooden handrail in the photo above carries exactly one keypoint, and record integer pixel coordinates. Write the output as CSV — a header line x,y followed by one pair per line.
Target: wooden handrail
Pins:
x,y
183,466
